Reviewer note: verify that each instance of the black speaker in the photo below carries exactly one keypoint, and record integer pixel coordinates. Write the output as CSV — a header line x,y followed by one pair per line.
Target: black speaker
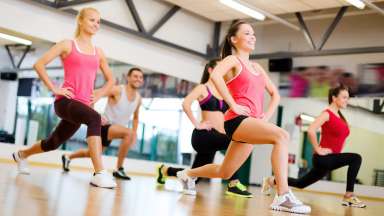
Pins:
x,y
25,87
280,65
12,76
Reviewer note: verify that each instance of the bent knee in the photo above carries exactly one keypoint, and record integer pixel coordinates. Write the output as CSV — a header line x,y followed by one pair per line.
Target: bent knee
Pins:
x,y
281,137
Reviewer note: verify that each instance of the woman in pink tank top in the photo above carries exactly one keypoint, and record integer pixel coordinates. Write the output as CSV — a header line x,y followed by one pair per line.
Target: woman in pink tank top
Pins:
x,y
242,84
81,60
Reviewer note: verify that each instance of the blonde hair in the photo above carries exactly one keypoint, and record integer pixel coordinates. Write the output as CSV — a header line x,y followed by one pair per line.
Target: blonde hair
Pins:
x,y
80,16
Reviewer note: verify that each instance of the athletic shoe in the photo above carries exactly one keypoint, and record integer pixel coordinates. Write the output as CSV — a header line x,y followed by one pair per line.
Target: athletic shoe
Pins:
x,y
187,182
22,164
65,162
160,177
239,190
353,201
121,174
266,187
103,179
289,203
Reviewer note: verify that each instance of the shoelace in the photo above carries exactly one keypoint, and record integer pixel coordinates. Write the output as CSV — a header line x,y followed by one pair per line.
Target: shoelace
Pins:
x,y
241,186
356,199
294,198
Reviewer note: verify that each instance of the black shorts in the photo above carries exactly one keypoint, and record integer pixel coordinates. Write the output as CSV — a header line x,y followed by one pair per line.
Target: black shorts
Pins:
x,y
104,135
231,125
209,141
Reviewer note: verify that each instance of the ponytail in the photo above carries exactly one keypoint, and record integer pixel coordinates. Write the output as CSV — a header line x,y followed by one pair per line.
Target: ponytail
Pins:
x,y
228,46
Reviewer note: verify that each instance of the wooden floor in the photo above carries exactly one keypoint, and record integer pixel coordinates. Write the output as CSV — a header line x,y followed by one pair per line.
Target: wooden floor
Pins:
x,y
47,191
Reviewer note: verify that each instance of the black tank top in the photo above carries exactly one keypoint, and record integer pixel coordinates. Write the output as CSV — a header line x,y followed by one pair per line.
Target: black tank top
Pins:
x,y
211,103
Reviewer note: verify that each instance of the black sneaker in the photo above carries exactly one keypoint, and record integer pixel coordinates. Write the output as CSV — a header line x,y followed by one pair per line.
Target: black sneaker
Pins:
x,y
66,161
121,174
238,190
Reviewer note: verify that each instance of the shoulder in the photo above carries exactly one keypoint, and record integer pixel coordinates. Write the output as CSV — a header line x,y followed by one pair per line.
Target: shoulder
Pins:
x,y
231,59
116,89
200,89
100,52
324,115
258,67
65,44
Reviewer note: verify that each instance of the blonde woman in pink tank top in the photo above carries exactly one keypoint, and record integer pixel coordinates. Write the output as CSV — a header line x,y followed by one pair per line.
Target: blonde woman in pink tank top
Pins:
x,y
242,85
81,60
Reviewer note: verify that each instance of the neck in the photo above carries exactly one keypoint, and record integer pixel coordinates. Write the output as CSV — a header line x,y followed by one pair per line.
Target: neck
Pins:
x,y
129,88
334,108
84,37
243,54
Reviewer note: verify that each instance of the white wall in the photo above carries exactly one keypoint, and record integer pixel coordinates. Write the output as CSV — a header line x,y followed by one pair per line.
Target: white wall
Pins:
x,y
53,25
364,30
356,31
8,91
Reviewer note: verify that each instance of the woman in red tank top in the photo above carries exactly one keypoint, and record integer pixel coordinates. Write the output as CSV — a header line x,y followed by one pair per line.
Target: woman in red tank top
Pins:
x,y
327,155
242,84
81,60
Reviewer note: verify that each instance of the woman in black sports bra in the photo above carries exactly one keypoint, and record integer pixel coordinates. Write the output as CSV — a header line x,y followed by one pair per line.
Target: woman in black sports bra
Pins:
x,y
209,136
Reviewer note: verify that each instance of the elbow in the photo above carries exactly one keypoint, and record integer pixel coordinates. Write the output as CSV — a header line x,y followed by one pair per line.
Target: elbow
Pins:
x,y
276,96
311,131
184,105
111,81
36,66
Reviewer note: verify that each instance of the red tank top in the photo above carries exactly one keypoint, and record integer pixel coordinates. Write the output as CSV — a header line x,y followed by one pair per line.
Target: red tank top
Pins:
x,y
333,133
247,89
80,73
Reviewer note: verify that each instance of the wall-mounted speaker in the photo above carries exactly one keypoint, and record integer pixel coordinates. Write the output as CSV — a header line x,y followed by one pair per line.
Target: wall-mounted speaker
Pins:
x,y
280,65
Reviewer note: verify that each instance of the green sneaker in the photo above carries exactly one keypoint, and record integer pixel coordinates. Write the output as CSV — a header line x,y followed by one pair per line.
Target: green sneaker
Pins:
x,y
239,190
160,177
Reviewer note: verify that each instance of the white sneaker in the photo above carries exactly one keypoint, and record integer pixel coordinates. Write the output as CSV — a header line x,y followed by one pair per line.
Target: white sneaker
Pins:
x,y
289,203
188,183
103,179
22,164
266,187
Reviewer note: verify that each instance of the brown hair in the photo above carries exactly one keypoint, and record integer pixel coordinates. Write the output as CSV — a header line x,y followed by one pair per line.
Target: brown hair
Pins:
x,y
334,92
211,64
134,69
227,47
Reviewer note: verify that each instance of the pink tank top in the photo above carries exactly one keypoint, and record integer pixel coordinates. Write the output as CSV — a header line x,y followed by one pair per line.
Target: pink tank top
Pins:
x,y
80,74
247,89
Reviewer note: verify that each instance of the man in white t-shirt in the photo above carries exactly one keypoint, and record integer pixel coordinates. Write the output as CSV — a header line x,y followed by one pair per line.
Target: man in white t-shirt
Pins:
x,y
123,102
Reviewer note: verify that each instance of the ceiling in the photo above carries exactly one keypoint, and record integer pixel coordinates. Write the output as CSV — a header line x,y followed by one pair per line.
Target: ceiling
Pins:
x,y
214,10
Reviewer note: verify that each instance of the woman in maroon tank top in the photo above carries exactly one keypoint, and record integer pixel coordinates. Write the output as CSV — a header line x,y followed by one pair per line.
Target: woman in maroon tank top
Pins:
x,y
327,156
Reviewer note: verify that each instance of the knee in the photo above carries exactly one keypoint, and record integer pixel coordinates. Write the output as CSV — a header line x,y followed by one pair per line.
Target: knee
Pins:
x,y
128,133
357,158
95,119
94,124
50,144
281,137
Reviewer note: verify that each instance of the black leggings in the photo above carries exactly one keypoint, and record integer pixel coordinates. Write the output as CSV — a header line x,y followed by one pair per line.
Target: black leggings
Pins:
x,y
324,164
206,143
72,113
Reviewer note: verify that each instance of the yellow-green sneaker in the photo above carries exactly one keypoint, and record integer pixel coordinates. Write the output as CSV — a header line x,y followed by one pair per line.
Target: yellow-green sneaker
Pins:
x,y
160,177
239,190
